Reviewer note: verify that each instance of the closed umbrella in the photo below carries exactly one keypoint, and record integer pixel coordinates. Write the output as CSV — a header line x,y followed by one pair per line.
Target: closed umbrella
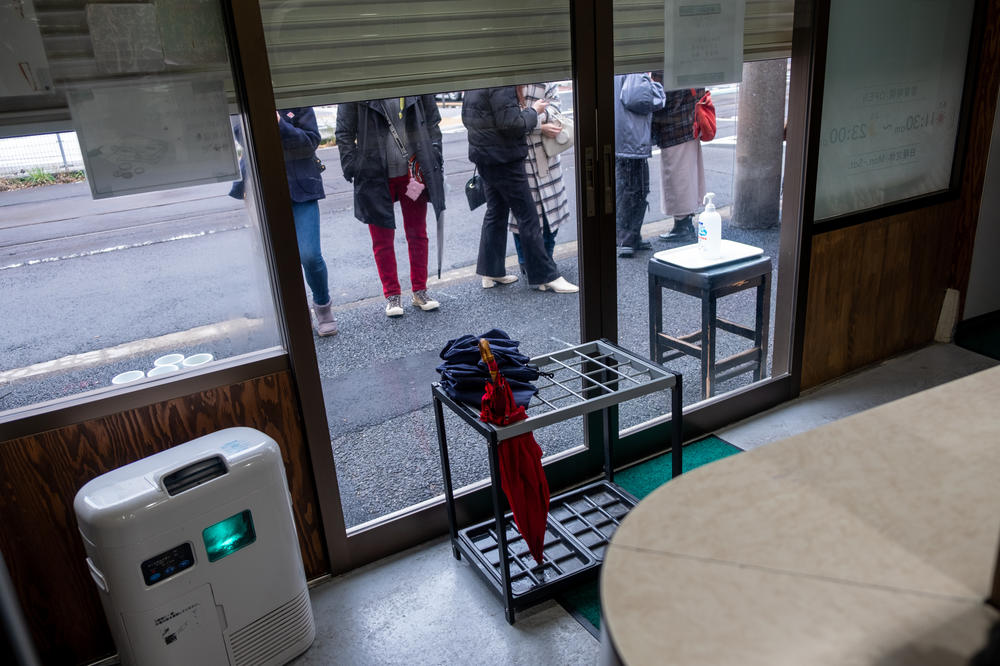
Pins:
x,y
440,240
521,475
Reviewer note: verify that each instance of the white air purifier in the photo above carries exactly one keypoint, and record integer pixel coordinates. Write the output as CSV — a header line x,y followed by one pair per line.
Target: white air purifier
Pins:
x,y
195,554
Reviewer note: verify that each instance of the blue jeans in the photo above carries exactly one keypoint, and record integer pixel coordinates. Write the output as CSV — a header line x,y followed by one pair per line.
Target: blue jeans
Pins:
x,y
548,238
306,216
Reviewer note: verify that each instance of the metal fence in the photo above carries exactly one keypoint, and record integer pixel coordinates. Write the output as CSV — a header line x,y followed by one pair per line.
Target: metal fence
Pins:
x,y
49,153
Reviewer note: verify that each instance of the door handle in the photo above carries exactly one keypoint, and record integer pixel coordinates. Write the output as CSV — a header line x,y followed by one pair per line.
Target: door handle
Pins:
x,y
609,194
590,187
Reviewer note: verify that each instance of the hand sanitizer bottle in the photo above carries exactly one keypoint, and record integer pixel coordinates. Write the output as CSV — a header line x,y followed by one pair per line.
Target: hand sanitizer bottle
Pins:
x,y
710,230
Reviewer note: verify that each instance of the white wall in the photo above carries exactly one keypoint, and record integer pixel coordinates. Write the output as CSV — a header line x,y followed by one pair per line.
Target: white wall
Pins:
x,y
984,282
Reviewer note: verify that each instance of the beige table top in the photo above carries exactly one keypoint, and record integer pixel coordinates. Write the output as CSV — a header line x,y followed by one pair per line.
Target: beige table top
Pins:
x,y
870,540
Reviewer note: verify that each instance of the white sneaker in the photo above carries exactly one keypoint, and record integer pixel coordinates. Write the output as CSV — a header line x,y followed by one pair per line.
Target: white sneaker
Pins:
x,y
424,302
490,282
393,306
560,285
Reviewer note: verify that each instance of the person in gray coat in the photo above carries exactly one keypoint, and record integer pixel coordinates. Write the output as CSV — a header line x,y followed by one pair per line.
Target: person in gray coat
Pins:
x,y
636,97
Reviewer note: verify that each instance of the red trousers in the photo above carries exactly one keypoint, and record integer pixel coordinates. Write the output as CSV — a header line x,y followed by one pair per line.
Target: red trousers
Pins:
x,y
415,227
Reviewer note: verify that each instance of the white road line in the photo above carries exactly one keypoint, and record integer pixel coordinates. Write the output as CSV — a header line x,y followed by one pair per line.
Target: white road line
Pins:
x,y
194,336
116,248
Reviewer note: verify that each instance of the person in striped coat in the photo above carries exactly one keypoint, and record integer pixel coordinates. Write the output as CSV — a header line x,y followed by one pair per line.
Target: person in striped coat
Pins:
x,y
544,173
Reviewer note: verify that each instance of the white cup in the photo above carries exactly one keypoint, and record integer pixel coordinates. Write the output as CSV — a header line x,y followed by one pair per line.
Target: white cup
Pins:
x,y
126,377
170,359
196,360
162,369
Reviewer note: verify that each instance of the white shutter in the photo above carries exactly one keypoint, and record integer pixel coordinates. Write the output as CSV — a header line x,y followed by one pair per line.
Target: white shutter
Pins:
x,y
324,51
329,51
638,33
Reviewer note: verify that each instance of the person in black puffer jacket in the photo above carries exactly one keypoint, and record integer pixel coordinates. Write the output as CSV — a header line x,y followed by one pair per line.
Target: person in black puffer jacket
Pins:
x,y
498,128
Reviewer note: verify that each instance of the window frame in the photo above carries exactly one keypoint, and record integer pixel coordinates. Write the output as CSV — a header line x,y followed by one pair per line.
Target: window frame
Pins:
x,y
593,63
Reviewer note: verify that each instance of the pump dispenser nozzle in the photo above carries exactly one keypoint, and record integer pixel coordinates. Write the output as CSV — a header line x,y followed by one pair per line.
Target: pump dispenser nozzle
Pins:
x,y
710,229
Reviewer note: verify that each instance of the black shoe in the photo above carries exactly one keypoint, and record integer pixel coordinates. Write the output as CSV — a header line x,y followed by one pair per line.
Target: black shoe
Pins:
x,y
625,251
683,230
644,245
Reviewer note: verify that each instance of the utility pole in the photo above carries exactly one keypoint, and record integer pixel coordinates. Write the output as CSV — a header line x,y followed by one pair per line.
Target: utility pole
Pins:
x,y
759,146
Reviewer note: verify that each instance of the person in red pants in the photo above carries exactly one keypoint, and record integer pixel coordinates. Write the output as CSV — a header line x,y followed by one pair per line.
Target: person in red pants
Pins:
x,y
390,149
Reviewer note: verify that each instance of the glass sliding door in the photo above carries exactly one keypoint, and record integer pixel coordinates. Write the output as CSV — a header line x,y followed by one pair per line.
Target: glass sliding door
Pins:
x,y
706,314
394,89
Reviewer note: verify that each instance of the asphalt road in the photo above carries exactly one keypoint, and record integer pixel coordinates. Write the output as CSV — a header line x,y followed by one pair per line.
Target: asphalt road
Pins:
x,y
93,288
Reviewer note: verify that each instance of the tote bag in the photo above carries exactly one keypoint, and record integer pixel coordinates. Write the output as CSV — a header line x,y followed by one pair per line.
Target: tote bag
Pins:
x,y
704,117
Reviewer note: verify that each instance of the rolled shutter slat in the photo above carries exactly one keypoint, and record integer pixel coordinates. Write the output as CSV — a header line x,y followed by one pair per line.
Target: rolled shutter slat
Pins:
x,y
331,51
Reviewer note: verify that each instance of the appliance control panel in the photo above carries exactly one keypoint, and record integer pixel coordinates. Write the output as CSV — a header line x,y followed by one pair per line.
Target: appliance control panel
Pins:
x,y
160,567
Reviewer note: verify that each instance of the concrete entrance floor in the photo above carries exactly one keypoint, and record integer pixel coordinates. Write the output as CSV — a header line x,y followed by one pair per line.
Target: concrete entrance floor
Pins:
x,y
424,607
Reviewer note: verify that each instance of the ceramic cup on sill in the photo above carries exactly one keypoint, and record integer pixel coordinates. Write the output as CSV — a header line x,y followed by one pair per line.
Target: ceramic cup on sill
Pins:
x,y
195,360
163,369
170,359
127,377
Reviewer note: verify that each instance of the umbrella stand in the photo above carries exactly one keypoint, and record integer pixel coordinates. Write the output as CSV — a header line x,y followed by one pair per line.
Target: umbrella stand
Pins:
x,y
588,378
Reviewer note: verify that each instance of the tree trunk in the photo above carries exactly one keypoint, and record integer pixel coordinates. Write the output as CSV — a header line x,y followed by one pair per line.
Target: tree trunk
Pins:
x,y
759,147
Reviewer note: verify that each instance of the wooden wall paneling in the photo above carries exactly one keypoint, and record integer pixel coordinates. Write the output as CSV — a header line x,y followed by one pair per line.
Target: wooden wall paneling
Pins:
x,y
876,288
41,474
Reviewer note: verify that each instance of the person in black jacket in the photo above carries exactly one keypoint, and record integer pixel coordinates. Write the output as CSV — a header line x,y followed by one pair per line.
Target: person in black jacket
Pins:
x,y
498,126
299,139
391,150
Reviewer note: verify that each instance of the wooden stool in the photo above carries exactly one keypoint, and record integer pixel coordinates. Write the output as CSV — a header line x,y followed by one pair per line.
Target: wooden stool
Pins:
x,y
709,284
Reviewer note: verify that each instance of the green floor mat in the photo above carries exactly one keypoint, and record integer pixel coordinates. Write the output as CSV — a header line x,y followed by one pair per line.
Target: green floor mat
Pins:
x,y
583,601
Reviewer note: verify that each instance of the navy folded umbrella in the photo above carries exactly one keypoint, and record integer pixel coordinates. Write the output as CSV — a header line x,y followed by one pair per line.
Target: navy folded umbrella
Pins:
x,y
464,375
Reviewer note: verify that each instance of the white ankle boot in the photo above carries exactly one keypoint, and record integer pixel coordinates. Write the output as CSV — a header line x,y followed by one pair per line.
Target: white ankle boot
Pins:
x,y
490,282
560,285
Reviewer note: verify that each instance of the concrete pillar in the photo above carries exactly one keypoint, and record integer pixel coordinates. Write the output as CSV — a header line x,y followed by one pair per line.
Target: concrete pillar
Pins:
x,y
757,187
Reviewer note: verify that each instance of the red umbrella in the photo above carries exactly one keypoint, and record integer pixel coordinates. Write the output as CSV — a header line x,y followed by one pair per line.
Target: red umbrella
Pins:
x,y
521,475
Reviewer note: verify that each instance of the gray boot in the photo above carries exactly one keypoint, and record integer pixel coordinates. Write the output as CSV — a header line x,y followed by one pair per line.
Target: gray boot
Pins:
x,y
325,323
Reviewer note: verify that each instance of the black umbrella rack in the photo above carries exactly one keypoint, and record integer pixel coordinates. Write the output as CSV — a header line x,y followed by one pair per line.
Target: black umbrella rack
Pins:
x,y
586,378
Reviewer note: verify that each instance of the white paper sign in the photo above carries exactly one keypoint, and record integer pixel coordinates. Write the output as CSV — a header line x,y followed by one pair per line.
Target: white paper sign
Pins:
x,y
891,101
24,68
125,37
154,134
703,43
192,32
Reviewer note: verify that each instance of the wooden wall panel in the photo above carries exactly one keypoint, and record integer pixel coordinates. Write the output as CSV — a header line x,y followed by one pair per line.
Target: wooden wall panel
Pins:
x,y
876,289
870,293
41,474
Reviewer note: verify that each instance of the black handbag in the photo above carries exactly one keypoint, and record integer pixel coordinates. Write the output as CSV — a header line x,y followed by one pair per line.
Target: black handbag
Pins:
x,y
475,191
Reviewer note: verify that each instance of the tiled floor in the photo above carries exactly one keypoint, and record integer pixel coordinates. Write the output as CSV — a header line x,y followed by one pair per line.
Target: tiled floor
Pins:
x,y
424,607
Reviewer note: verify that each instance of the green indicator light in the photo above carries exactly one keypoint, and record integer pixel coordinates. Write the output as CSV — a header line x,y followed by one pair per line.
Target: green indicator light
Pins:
x,y
228,536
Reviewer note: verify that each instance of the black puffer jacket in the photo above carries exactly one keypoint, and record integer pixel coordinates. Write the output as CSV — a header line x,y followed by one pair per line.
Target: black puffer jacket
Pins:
x,y
497,125
362,132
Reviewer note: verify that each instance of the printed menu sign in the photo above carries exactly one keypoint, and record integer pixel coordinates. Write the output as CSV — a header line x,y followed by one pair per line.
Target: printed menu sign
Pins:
x,y
891,102
703,43
155,134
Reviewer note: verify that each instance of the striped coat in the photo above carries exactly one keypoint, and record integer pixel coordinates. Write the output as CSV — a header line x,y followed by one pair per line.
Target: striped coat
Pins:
x,y
544,173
